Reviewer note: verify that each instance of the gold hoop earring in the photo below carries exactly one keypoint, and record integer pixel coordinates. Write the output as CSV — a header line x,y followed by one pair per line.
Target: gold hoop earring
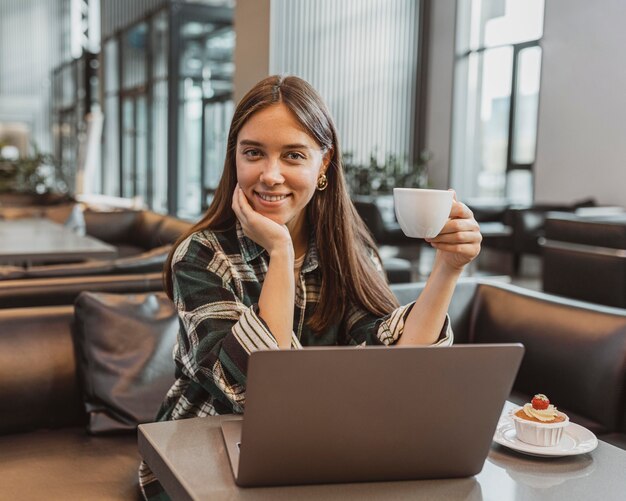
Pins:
x,y
322,182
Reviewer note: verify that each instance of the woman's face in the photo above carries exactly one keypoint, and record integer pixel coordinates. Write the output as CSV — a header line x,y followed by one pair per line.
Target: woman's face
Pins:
x,y
278,165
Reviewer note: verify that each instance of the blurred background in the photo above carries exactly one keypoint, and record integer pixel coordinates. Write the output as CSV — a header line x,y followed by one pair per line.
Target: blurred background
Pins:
x,y
514,103
505,100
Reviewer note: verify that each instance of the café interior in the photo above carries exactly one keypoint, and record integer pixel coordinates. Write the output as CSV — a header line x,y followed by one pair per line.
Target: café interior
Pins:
x,y
114,116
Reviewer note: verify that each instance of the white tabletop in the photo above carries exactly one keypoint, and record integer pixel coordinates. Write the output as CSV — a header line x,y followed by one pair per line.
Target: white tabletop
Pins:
x,y
190,460
41,240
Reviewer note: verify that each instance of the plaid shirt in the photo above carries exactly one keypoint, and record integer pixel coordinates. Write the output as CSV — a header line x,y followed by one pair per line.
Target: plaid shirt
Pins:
x,y
217,279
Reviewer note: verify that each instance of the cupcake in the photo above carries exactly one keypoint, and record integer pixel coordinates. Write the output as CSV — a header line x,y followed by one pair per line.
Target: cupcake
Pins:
x,y
539,422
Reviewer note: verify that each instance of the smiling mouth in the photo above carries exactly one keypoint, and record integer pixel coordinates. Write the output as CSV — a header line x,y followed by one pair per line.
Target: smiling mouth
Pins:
x,y
270,198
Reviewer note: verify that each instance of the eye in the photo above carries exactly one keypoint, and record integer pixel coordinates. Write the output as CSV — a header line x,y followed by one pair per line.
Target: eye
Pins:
x,y
294,155
252,153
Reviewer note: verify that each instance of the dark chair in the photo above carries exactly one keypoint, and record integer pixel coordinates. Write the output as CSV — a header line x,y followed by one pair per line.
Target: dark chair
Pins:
x,y
518,230
134,232
384,232
585,258
398,270
143,240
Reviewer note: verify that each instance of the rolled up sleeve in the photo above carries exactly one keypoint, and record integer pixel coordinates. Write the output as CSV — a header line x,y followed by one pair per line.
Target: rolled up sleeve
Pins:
x,y
366,329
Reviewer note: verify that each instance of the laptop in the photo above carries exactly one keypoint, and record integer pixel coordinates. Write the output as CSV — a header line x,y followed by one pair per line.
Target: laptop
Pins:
x,y
337,414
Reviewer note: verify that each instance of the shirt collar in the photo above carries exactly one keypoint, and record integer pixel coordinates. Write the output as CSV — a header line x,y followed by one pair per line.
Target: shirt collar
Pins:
x,y
250,250
311,261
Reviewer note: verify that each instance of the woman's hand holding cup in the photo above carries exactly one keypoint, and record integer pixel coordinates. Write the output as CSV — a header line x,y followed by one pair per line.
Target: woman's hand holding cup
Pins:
x,y
458,242
445,223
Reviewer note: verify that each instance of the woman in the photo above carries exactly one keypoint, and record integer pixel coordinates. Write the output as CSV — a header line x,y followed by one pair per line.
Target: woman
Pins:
x,y
282,260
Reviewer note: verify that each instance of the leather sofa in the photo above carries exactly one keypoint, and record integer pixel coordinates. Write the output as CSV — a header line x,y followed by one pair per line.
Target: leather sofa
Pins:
x,y
64,290
575,353
585,258
143,240
134,232
519,229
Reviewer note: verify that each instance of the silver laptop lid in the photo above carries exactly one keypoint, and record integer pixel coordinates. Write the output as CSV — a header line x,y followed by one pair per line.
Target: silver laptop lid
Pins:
x,y
324,415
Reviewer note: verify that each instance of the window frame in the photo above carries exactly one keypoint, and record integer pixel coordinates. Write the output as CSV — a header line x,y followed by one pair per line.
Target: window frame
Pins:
x,y
461,59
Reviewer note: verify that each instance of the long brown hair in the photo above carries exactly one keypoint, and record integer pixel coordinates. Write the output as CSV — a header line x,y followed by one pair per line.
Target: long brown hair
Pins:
x,y
343,242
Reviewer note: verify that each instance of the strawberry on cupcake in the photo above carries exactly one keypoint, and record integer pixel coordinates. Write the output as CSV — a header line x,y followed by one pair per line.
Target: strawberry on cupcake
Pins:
x,y
539,422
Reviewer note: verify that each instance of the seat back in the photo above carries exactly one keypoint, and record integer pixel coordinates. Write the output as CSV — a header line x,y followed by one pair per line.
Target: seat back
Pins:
x,y
373,219
575,351
111,227
64,290
460,306
38,386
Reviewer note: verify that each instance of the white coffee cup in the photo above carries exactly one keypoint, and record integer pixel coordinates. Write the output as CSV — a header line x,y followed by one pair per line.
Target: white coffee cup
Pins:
x,y
421,212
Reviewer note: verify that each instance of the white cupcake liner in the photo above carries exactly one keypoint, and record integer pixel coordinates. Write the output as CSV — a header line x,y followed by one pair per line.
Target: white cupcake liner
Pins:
x,y
540,434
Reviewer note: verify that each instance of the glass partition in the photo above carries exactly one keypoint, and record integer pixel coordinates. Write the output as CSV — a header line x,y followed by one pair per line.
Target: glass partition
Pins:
x,y
496,98
161,132
526,105
74,95
205,90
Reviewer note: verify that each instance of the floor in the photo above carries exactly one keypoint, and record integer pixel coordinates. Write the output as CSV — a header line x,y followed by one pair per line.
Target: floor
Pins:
x,y
492,264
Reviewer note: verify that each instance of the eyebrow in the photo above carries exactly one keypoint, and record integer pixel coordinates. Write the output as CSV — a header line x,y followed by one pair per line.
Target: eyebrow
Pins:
x,y
249,142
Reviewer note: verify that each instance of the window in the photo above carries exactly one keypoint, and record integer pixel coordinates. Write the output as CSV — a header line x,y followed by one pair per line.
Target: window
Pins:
x,y
166,147
363,58
496,98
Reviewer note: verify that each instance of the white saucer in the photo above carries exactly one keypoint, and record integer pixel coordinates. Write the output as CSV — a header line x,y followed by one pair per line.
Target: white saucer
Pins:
x,y
576,439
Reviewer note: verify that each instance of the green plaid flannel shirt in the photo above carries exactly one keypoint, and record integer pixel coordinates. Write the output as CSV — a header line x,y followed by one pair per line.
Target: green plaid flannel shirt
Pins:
x,y
217,279
217,283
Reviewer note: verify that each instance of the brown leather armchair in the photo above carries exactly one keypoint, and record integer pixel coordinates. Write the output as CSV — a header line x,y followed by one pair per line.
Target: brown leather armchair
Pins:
x,y
134,232
143,240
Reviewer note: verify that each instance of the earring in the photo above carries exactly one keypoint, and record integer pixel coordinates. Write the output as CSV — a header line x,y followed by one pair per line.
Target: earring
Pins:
x,y
322,182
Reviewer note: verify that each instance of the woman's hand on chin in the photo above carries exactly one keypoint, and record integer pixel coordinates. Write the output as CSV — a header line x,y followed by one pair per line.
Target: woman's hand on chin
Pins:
x,y
268,234
458,243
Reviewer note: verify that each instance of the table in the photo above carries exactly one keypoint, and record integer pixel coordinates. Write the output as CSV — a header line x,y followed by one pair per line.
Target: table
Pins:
x,y
30,241
190,460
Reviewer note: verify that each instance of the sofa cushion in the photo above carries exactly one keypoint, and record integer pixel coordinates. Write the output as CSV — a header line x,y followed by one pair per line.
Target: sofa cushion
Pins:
x,y
111,226
171,230
585,342
37,370
146,229
68,464
124,355
152,260
65,290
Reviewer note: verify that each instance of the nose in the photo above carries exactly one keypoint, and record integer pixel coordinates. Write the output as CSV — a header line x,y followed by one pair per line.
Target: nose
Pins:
x,y
271,174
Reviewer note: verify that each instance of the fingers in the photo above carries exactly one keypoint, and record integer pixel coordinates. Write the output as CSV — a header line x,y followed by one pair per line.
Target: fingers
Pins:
x,y
460,228
457,238
235,200
457,225
460,211
469,250
240,204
